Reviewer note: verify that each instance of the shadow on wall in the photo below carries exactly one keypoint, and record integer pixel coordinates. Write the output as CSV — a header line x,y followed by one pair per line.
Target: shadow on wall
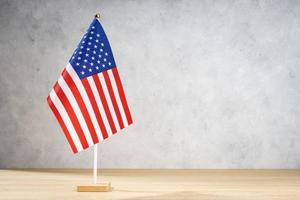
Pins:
x,y
186,195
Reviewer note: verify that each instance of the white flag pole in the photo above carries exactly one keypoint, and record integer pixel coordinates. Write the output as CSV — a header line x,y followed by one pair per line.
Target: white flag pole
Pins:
x,y
95,163
96,145
103,187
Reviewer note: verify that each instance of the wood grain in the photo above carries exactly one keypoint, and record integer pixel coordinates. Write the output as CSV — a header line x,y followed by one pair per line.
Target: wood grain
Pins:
x,y
100,187
152,184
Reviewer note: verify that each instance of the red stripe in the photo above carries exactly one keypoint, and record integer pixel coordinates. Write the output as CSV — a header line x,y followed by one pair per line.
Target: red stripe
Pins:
x,y
62,124
122,95
104,103
81,105
65,101
95,107
113,99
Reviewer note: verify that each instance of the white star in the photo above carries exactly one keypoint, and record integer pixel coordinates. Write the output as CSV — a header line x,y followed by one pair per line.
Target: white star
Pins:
x,y
79,58
84,36
83,42
99,56
82,72
87,49
83,66
106,53
98,35
87,55
92,32
73,57
103,65
91,64
97,40
90,38
85,60
102,44
97,67
109,63
77,64
98,61
93,58
94,52
81,47
89,43
104,59
90,69
101,50
95,46
80,52
93,27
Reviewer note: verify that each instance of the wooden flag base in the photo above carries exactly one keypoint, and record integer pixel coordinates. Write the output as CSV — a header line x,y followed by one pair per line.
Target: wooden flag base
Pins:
x,y
99,187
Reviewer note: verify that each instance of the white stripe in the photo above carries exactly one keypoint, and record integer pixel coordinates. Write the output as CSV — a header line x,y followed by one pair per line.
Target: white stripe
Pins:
x,y
117,95
65,117
109,102
100,105
86,100
61,81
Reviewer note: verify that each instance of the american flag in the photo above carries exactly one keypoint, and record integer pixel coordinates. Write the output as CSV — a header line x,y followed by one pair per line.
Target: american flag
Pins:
x,y
88,99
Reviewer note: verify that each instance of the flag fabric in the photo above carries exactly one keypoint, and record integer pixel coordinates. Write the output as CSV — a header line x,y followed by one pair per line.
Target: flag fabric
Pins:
x,y
88,99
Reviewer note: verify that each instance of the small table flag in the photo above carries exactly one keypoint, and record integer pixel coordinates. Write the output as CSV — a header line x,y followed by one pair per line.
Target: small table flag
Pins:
x,y
88,100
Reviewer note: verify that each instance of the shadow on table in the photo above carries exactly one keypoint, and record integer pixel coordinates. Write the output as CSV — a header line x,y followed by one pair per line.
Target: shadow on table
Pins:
x,y
185,195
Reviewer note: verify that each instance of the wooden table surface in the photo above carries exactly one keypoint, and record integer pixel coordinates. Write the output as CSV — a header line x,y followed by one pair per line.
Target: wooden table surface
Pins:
x,y
153,184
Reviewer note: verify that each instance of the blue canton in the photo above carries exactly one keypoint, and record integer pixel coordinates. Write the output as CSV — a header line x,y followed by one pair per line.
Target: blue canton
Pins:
x,y
93,54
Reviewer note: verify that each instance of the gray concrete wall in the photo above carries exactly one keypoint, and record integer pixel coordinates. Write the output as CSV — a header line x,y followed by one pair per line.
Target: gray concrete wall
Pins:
x,y
211,84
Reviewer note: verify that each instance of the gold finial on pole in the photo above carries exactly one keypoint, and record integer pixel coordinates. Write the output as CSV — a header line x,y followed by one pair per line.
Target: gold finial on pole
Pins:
x,y
97,15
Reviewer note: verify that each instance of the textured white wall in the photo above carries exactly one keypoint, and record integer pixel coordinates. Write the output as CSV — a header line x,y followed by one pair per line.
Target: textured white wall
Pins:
x,y
211,84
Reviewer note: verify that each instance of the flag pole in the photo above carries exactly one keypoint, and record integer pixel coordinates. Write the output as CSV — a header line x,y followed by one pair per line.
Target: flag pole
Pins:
x,y
97,15
95,164
95,187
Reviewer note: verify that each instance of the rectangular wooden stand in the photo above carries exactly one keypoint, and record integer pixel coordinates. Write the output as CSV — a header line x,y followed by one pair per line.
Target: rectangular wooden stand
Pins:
x,y
99,187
